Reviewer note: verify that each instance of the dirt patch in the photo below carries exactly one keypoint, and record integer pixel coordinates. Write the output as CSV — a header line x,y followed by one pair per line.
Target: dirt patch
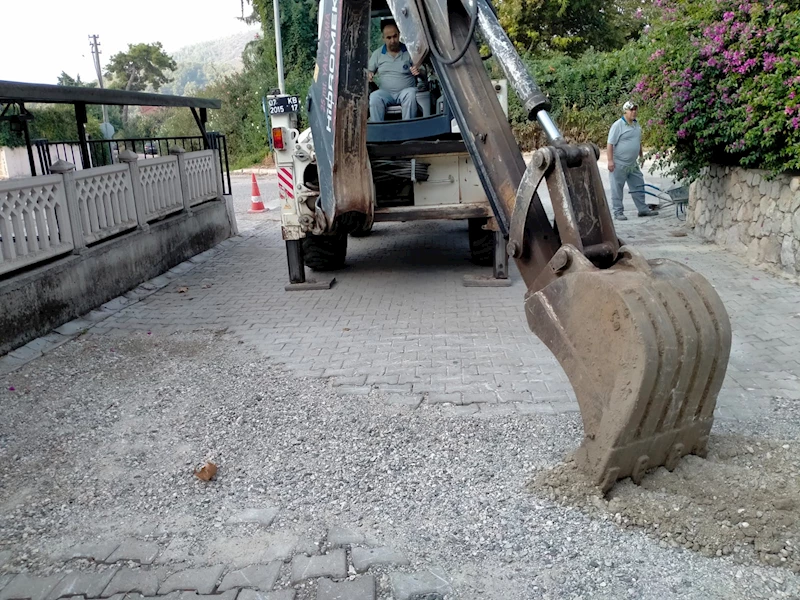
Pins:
x,y
744,500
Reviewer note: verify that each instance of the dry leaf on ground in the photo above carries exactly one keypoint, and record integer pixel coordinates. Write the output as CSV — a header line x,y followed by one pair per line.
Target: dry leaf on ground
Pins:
x,y
206,472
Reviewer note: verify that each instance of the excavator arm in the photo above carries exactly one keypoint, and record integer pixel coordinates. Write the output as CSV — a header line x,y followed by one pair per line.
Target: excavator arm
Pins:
x,y
645,343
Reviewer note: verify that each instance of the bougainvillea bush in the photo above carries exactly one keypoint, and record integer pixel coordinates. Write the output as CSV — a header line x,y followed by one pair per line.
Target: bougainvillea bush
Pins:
x,y
724,81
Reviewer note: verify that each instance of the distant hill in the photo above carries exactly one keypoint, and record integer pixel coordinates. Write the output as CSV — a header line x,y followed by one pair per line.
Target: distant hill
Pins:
x,y
202,64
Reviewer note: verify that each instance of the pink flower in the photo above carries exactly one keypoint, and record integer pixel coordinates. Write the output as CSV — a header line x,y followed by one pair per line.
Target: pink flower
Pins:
x,y
11,388
728,17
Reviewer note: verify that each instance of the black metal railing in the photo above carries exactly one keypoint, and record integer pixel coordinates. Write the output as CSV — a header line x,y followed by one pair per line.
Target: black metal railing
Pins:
x,y
106,152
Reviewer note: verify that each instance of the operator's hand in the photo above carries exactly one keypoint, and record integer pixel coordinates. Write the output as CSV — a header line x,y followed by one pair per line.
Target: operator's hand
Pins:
x,y
611,166
370,76
414,71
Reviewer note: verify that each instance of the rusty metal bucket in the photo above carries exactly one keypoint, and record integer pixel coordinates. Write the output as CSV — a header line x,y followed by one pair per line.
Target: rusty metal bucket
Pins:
x,y
645,345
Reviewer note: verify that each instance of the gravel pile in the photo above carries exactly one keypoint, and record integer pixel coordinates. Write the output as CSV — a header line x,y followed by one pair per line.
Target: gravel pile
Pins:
x,y
99,439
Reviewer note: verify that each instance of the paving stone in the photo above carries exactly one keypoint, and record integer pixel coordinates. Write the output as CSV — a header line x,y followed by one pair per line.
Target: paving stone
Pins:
x,y
25,353
278,595
142,552
74,327
433,581
333,564
259,577
98,552
30,587
89,585
130,580
263,516
339,537
5,580
361,588
229,595
202,580
437,398
161,281
364,558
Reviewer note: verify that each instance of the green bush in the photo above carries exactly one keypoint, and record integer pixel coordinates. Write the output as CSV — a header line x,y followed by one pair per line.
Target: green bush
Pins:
x,y
586,93
724,76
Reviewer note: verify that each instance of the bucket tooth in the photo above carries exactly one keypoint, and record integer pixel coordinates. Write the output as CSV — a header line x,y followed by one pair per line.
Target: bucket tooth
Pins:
x,y
645,345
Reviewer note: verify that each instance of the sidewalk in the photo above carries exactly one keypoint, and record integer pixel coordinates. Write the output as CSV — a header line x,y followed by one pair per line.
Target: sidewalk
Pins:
x,y
375,440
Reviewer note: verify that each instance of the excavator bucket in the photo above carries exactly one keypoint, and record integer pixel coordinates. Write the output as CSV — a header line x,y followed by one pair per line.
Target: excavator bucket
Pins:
x,y
645,345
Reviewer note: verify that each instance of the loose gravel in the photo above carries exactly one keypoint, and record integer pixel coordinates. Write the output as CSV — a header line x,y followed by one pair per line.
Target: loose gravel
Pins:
x,y
99,439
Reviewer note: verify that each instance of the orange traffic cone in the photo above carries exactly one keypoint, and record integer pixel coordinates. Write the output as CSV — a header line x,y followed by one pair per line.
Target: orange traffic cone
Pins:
x,y
256,205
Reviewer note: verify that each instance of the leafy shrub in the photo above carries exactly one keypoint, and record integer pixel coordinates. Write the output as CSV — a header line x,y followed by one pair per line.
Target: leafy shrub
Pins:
x,y
724,76
586,93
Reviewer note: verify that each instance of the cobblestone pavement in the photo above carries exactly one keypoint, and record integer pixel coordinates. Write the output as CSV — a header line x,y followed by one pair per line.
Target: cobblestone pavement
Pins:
x,y
399,319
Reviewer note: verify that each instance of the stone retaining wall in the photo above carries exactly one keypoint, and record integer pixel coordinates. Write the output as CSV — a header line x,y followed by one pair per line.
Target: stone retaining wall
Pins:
x,y
749,213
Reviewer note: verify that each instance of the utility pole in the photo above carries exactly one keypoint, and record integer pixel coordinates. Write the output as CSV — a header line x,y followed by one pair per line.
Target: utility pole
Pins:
x,y
276,11
107,128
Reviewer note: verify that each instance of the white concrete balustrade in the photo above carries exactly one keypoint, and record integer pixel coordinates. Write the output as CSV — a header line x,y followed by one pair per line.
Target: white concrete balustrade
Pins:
x,y
43,217
34,224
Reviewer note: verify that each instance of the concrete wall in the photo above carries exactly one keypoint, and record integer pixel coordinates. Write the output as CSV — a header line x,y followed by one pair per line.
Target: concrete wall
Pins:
x,y
750,214
36,301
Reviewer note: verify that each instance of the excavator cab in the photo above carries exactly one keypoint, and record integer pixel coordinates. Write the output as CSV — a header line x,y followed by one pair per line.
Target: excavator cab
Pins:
x,y
650,400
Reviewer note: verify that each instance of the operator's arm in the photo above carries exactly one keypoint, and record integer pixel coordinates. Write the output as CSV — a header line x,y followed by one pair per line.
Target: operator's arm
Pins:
x,y
372,65
610,151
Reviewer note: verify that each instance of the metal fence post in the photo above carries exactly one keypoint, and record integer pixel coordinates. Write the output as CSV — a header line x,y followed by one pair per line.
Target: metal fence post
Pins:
x,y
67,172
132,160
180,153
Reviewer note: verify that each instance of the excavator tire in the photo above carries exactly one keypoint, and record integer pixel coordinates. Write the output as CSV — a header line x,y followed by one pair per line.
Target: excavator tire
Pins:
x,y
481,242
325,252
645,345
360,232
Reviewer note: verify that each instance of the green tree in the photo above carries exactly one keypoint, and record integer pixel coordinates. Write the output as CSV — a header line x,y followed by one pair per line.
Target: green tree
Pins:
x,y
142,66
570,26
66,80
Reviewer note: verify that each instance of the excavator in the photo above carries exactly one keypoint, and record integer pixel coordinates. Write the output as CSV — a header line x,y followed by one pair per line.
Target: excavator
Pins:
x,y
644,342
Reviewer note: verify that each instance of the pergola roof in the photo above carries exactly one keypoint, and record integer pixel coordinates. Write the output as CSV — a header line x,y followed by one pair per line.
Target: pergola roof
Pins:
x,y
13,91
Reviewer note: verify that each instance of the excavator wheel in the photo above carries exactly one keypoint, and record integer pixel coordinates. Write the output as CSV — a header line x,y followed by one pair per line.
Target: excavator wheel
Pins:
x,y
481,242
645,345
325,252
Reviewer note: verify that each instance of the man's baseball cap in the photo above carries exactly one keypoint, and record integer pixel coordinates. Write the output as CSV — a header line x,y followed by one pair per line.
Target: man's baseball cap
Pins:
x,y
629,105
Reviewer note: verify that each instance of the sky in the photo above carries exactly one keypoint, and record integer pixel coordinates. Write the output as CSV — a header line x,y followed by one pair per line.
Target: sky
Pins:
x,y
42,38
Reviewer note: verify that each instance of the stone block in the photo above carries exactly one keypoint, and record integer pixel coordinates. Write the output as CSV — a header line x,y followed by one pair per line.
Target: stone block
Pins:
x,y
89,585
433,581
333,564
794,184
364,558
142,552
787,255
786,224
259,577
229,595
30,587
360,588
6,579
253,595
98,552
132,580
262,516
796,224
340,537
785,200
202,580
775,190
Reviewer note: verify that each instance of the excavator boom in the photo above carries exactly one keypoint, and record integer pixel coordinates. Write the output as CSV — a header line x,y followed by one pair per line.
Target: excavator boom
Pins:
x,y
645,343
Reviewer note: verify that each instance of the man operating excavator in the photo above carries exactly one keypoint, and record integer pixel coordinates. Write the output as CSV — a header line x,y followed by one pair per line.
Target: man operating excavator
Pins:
x,y
397,75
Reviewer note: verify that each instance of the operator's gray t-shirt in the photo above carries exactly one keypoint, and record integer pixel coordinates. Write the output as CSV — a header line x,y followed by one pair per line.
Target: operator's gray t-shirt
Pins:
x,y
394,71
626,139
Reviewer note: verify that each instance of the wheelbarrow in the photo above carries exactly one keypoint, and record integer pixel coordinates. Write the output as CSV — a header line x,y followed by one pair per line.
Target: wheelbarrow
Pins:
x,y
677,197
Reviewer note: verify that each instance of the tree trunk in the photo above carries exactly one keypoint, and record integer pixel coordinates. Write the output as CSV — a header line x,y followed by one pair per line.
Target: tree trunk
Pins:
x,y
131,79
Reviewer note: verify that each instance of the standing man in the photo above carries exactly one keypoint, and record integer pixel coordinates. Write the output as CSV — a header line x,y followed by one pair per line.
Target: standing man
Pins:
x,y
398,76
624,148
